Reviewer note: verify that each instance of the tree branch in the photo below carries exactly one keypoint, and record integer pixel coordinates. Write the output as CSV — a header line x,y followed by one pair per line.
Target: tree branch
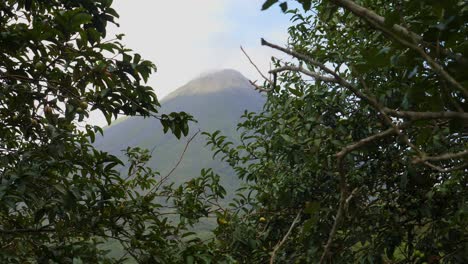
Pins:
x,y
436,67
277,247
258,70
314,75
260,88
426,115
163,179
445,170
367,15
27,230
445,156
363,142
373,102
338,217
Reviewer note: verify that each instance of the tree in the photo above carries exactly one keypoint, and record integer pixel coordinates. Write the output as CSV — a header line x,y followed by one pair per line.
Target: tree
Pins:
x,y
361,152
60,198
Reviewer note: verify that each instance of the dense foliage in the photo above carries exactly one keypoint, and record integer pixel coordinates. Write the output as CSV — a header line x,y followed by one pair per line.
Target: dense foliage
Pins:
x,y
359,156
361,152
60,198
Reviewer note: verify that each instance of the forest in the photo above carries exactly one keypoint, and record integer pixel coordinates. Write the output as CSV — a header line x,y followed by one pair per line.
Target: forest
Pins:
x,y
354,148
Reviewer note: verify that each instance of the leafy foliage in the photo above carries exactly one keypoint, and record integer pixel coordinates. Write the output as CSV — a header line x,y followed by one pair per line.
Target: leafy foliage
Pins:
x,y
60,198
360,154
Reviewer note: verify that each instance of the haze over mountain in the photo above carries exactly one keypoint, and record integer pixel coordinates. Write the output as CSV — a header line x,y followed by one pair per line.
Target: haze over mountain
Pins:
x,y
216,100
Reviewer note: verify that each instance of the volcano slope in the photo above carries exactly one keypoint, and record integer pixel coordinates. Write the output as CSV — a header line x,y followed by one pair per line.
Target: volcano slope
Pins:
x,y
216,100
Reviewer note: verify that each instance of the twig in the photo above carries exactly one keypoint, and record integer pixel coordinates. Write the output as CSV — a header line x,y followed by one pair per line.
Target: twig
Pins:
x,y
426,115
277,247
27,230
350,197
338,217
445,156
163,179
258,70
314,75
365,141
260,88
445,170
373,102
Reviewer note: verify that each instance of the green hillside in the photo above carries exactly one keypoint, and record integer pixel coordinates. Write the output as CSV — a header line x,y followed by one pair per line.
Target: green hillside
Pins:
x,y
216,100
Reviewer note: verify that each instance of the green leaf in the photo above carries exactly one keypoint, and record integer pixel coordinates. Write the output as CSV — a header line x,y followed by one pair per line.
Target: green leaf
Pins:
x,y
80,19
296,92
189,260
306,4
311,207
284,6
287,138
268,3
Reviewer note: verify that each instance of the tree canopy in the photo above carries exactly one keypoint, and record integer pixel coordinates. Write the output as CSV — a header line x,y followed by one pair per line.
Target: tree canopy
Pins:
x,y
60,198
360,154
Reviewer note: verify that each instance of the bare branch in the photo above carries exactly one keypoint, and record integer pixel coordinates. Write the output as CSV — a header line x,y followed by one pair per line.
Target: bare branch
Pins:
x,y
27,230
338,217
426,115
298,55
258,70
350,197
314,75
363,142
277,247
373,102
163,179
445,156
260,88
445,170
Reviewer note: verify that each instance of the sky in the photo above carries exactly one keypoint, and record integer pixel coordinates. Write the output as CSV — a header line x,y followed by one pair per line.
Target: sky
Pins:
x,y
187,38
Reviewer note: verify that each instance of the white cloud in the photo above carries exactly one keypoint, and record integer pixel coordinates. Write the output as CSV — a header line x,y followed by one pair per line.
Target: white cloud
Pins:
x,y
175,35
188,37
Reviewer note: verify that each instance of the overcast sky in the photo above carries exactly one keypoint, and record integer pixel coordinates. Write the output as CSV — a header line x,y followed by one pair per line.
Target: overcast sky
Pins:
x,y
186,38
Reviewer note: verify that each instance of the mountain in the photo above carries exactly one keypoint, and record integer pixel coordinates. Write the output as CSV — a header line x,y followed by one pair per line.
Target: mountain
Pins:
x,y
216,100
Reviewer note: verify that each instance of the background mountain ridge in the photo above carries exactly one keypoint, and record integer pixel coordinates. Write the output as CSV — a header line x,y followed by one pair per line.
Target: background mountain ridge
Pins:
x,y
216,100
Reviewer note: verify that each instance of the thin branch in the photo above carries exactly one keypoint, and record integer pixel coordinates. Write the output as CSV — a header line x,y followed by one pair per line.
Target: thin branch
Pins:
x,y
367,14
314,75
163,179
445,170
350,197
436,67
338,217
258,70
278,246
298,56
322,66
365,141
27,230
445,156
260,88
363,12
426,115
